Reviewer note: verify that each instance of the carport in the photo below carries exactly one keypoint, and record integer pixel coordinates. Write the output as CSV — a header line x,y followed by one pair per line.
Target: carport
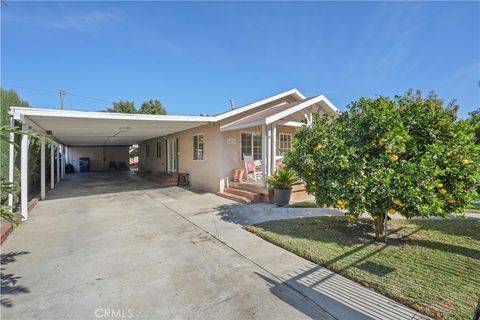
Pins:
x,y
66,129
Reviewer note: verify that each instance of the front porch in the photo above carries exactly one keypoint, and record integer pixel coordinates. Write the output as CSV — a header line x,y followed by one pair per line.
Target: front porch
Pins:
x,y
271,133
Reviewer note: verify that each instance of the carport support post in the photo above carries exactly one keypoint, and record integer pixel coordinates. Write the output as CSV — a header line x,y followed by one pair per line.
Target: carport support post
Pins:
x,y
11,163
62,171
24,175
58,162
52,165
42,168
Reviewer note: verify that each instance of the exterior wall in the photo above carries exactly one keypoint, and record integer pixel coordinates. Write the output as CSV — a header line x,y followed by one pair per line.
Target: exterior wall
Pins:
x,y
214,172
232,156
153,164
99,156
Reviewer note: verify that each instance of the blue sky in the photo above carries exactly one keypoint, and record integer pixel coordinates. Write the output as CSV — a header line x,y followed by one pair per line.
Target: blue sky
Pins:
x,y
194,56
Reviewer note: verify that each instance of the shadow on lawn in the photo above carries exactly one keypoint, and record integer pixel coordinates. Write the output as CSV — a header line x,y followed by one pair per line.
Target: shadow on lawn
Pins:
x,y
8,283
338,296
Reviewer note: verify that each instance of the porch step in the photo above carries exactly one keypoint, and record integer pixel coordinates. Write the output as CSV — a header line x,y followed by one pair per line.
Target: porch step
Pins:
x,y
234,197
252,196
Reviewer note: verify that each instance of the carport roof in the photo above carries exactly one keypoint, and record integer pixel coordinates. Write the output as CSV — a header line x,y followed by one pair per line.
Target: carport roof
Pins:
x,y
103,128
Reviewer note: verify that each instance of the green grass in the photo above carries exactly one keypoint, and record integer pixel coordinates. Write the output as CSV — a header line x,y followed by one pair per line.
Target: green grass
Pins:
x,y
304,204
475,208
430,265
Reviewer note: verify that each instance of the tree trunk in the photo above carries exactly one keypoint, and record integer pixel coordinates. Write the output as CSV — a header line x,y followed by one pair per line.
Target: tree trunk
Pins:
x,y
379,222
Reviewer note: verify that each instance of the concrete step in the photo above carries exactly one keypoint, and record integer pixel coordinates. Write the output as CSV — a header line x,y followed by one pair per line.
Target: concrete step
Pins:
x,y
234,197
252,196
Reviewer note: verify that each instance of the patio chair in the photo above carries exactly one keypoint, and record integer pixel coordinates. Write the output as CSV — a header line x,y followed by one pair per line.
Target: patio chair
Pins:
x,y
252,171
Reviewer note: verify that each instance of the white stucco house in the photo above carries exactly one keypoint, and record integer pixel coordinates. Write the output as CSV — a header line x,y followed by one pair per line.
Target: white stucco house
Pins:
x,y
206,147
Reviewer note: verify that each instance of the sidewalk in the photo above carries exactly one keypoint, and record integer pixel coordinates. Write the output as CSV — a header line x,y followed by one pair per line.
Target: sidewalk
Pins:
x,y
338,296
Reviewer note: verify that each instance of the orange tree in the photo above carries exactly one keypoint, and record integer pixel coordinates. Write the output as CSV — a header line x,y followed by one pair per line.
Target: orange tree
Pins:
x,y
408,155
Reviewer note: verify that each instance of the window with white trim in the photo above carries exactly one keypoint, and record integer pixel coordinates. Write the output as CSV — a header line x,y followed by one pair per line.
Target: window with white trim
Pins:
x,y
284,143
251,144
198,147
159,149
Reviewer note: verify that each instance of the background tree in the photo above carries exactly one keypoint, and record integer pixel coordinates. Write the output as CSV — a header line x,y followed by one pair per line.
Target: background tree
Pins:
x,y
123,107
8,98
474,119
408,155
152,107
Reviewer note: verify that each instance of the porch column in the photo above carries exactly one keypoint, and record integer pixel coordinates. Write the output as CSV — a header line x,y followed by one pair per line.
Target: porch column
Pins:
x,y
11,163
62,163
52,165
58,162
264,154
273,163
24,175
42,168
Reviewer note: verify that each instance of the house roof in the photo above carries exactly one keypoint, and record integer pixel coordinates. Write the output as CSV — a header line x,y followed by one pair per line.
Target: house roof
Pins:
x,y
104,128
282,111
292,92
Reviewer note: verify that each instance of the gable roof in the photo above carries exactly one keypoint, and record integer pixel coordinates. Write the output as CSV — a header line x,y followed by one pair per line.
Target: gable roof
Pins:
x,y
278,112
258,103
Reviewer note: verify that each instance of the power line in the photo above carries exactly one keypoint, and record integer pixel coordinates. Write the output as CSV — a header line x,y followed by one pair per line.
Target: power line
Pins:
x,y
56,92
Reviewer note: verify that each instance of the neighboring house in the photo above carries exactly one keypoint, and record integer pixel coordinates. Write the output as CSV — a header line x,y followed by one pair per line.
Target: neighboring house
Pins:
x,y
210,152
208,148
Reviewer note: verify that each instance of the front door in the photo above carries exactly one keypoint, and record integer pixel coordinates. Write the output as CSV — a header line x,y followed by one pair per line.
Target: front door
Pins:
x,y
172,155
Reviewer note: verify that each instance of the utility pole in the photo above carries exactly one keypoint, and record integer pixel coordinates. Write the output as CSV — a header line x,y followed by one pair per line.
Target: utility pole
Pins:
x,y
62,95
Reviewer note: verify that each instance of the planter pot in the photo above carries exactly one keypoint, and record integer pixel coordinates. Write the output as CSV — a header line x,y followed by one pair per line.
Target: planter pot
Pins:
x,y
237,175
282,196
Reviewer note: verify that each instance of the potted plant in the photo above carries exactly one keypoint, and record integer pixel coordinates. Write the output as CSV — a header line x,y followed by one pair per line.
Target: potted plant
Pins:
x,y
282,181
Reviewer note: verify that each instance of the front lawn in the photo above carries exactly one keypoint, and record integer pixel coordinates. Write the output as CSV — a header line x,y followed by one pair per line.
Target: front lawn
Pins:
x,y
430,265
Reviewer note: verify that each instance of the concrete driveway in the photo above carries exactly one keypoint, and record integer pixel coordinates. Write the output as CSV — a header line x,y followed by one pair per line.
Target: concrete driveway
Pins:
x,y
108,246
114,245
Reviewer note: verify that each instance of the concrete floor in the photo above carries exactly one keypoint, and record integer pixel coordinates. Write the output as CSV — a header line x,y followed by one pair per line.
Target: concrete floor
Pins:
x,y
103,244
114,245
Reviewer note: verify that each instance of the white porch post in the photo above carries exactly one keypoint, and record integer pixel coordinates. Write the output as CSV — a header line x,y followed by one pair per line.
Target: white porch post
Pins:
x,y
273,163
62,170
24,175
52,165
58,162
269,148
11,163
42,168
264,154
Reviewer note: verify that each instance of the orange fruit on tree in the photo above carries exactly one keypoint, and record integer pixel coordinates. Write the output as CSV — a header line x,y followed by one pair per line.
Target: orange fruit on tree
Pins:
x,y
392,211
394,157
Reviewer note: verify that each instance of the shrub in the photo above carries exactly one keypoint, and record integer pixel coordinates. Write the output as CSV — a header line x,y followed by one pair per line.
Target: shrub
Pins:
x,y
408,155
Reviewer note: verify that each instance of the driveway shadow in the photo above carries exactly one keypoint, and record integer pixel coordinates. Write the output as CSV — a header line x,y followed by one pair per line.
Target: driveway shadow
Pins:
x,y
8,281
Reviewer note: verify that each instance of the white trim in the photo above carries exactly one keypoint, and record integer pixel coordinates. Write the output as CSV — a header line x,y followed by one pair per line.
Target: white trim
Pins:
x,y
42,167
252,133
290,123
193,146
258,103
280,140
297,108
24,175
52,165
242,125
11,163
21,112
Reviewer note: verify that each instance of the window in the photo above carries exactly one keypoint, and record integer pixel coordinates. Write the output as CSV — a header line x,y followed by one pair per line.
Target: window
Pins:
x,y
251,144
159,149
147,151
198,147
284,143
